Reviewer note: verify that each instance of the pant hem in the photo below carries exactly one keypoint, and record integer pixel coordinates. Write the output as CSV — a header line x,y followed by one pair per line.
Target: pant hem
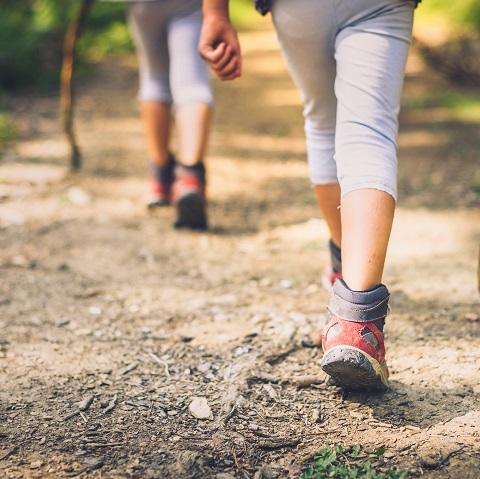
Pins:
x,y
370,186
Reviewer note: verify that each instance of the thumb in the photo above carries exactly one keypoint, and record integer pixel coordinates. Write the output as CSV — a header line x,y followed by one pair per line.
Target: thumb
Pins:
x,y
211,54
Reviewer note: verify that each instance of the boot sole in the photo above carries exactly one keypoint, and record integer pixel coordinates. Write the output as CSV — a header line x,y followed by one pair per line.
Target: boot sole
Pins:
x,y
153,205
353,369
191,212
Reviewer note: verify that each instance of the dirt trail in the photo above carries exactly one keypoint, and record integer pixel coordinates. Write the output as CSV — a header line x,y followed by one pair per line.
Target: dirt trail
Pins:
x,y
99,298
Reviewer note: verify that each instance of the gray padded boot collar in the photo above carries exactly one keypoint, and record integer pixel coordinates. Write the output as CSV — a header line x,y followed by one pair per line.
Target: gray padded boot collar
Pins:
x,y
359,306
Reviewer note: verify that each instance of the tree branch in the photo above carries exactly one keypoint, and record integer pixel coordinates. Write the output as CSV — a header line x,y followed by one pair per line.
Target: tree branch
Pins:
x,y
66,86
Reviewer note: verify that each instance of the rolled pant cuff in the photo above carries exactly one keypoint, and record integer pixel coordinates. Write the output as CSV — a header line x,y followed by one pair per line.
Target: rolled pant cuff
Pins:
x,y
345,189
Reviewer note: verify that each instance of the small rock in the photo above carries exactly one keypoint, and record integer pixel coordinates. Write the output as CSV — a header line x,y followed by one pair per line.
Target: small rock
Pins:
x,y
317,416
128,368
78,197
357,415
240,350
264,282
431,460
224,299
93,463
410,427
85,403
272,394
95,310
62,322
36,464
200,409
265,472
472,317
82,332
19,261
134,308
204,368
286,283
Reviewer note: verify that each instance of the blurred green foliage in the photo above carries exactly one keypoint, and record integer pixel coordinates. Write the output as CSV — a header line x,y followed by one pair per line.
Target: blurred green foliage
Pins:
x,y
460,15
32,31
31,38
7,130
462,106
243,14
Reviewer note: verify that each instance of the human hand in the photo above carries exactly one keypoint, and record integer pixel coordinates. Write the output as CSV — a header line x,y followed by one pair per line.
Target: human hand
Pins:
x,y
220,48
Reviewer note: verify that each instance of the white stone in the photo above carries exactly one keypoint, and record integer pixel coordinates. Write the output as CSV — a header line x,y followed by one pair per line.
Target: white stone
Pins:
x,y
200,409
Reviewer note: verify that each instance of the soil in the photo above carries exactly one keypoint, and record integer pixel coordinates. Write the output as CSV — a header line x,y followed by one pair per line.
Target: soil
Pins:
x,y
112,322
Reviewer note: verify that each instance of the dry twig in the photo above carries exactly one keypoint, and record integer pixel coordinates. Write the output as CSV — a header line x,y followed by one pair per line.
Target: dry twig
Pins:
x,y
277,443
66,94
280,356
9,453
160,362
111,405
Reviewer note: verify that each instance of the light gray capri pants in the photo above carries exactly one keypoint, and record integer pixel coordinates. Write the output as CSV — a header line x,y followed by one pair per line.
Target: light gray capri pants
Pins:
x,y
166,35
348,58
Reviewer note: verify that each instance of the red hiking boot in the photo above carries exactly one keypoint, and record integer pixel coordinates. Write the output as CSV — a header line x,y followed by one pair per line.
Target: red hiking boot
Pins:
x,y
159,194
352,341
334,271
329,277
189,197
161,181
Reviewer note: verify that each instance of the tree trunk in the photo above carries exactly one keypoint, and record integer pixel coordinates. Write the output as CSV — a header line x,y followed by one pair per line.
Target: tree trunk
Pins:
x,y
66,86
478,271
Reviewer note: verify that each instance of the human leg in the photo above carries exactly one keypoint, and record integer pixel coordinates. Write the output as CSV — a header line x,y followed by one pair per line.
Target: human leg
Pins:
x,y
192,95
190,85
148,26
371,54
371,51
305,30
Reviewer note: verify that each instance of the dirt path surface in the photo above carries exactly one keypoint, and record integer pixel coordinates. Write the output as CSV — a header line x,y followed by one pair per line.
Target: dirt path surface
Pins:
x,y
112,323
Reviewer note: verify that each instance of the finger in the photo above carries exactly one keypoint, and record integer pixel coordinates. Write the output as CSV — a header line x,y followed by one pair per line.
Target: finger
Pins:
x,y
240,60
213,55
230,67
235,74
220,64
